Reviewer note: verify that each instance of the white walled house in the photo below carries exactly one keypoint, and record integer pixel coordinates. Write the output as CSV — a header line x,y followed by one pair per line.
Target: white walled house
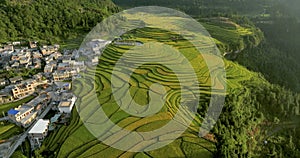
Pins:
x,y
23,115
65,74
48,69
38,133
20,113
66,105
23,89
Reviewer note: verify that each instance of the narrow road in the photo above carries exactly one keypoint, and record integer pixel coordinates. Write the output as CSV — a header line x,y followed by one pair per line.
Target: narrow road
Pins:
x,y
23,136
4,119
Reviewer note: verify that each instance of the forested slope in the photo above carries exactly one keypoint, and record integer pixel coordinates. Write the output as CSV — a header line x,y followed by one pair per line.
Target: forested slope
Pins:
x,y
278,56
50,21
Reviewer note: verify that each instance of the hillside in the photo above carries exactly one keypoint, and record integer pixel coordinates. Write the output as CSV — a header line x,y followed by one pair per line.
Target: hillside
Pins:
x,y
277,57
254,110
50,21
232,35
259,119
247,114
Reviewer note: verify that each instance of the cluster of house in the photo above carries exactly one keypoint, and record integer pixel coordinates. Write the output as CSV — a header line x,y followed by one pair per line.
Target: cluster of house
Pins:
x,y
59,67
51,88
66,101
17,57
93,49
25,114
17,88
63,66
59,95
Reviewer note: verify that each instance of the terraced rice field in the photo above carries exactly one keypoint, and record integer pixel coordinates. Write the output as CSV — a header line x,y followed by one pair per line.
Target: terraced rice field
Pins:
x,y
76,140
229,36
95,88
8,130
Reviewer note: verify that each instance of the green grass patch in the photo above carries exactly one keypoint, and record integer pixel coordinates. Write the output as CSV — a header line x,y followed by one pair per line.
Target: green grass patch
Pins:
x,y
5,107
8,130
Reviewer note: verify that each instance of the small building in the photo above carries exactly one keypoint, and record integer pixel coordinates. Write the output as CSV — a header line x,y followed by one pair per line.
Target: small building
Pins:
x,y
9,47
55,56
23,89
65,74
33,44
24,60
54,121
21,54
56,46
65,106
26,122
39,103
5,55
13,114
22,116
67,103
63,66
52,63
48,50
79,64
38,133
3,82
37,63
16,43
34,65
48,69
63,86
95,60
6,97
66,59
15,80
7,68
15,65
37,55
19,113
55,118
38,77
98,44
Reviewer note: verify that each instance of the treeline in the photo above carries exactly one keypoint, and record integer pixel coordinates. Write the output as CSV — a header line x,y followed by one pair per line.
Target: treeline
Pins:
x,y
278,57
203,7
50,20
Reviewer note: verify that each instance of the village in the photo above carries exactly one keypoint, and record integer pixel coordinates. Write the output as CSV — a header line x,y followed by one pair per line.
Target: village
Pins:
x,y
51,88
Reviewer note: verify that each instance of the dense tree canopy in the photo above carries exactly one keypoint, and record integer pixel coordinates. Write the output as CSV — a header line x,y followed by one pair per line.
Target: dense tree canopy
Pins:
x,y
255,121
50,20
203,7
